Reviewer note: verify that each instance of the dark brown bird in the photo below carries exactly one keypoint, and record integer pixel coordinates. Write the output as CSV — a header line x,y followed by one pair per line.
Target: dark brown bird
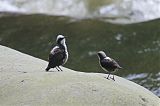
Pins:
x,y
58,55
108,64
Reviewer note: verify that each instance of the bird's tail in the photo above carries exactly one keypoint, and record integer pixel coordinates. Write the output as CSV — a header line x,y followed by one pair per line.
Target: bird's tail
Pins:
x,y
47,69
119,67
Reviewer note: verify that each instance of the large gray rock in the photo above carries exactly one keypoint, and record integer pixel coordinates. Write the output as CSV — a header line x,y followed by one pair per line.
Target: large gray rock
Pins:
x,y
24,82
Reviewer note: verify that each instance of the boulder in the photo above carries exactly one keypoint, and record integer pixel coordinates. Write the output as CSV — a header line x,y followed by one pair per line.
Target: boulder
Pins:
x,y
24,82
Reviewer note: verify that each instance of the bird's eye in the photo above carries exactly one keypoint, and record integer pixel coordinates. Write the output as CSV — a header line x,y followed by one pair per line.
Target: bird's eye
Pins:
x,y
61,39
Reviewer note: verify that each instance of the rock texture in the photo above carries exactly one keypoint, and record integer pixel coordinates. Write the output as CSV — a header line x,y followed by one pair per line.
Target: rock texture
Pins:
x,y
24,82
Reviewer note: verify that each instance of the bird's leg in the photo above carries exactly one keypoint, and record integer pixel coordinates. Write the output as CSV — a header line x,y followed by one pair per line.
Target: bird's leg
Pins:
x,y
113,78
108,76
59,68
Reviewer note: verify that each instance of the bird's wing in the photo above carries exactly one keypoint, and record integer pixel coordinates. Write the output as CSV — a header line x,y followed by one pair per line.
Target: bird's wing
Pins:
x,y
66,58
110,63
54,50
56,55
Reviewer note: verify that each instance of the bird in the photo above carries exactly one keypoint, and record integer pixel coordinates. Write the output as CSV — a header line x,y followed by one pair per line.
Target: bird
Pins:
x,y
59,54
108,64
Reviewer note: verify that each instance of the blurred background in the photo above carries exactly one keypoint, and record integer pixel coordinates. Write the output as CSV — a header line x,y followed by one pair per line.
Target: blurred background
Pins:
x,y
127,30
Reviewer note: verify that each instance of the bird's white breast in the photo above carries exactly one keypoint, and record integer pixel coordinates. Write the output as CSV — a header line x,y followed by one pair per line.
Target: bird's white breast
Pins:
x,y
66,58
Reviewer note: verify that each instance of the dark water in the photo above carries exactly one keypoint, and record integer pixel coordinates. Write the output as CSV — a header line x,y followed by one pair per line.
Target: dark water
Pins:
x,y
135,46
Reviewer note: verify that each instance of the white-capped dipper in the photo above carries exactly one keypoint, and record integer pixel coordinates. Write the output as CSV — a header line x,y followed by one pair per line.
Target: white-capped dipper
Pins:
x,y
108,64
58,55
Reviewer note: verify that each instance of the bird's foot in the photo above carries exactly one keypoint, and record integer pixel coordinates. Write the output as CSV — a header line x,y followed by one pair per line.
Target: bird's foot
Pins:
x,y
57,69
112,79
107,78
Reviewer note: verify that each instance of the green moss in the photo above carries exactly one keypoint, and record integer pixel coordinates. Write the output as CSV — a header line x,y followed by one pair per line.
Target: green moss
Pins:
x,y
34,34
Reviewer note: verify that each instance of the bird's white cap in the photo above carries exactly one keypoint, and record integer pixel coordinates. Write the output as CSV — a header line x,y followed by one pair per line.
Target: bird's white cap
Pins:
x,y
59,36
102,53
